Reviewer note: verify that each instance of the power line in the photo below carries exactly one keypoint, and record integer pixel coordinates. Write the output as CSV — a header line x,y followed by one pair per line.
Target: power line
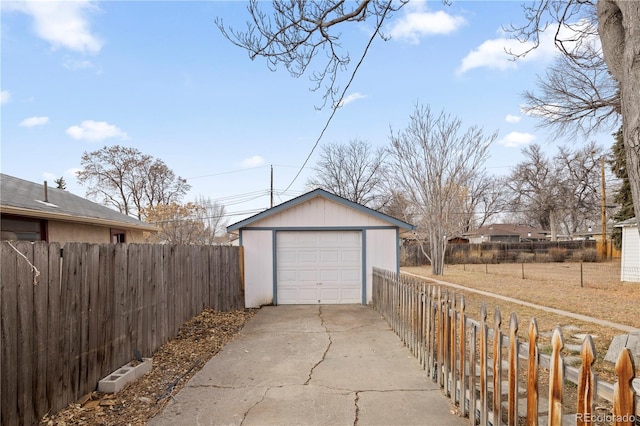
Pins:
x,y
341,99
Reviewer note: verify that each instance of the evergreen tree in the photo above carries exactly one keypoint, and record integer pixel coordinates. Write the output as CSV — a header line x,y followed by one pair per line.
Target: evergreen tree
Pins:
x,y
622,197
62,184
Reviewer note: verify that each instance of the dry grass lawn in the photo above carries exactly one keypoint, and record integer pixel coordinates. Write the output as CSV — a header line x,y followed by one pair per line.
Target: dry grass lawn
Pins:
x,y
556,285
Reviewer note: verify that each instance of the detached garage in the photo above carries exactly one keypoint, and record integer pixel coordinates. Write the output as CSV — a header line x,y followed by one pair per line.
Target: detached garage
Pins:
x,y
317,248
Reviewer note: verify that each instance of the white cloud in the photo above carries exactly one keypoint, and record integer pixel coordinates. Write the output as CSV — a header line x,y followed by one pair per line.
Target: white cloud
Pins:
x,y
72,172
64,24
543,111
34,121
5,97
417,23
516,139
351,98
250,162
512,118
49,177
494,53
75,65
95,131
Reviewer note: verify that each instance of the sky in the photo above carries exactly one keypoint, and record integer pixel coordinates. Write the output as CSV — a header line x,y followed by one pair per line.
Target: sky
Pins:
x,y
160,77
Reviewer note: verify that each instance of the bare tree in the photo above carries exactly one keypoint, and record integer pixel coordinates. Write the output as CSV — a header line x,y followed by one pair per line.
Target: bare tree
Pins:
x,y
436,162
485,199
178,223
535,190
128,180
560,194
212,214
355,171
399,206
575,97
293,32
617,24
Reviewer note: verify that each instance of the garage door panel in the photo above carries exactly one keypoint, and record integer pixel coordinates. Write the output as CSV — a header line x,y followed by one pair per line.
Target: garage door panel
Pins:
x,y
287,257
319,267
329,255
308,256
308,276
330,275
351,275
287,276
350,256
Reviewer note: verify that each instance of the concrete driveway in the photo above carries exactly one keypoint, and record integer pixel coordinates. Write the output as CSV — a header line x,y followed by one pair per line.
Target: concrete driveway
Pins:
x,y
312,365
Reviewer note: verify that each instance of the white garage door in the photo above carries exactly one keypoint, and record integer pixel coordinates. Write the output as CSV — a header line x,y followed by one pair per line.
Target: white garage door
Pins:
x,y
319,267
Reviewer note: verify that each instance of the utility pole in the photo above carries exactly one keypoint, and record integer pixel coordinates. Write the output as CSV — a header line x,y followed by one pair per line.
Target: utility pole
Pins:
x,y
604,217
271,186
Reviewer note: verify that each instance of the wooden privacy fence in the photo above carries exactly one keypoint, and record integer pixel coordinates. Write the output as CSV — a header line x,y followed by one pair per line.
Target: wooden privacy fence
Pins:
x,y
471,360
70,317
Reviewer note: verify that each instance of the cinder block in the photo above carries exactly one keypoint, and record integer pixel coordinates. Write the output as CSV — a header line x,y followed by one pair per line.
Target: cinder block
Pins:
x,y
144,367
117,380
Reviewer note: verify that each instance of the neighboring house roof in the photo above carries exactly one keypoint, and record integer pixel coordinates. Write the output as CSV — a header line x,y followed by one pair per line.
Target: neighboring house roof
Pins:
x,y
310,195
627,223
24,198
507,229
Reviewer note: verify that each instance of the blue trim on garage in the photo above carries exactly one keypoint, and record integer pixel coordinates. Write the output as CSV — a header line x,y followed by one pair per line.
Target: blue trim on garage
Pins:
x,y
323,194
274,251
397,251
363,251
364,266
315,228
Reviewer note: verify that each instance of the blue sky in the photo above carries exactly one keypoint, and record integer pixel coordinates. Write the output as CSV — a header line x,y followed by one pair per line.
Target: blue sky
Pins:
x,y
160,77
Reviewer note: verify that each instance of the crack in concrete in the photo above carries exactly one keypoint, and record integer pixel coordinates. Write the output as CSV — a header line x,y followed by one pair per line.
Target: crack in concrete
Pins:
x,y
216,386
326,350
357,399
246,413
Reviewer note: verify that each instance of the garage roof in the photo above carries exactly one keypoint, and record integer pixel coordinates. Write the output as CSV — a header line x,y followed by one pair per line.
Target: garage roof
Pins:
x,y
313,194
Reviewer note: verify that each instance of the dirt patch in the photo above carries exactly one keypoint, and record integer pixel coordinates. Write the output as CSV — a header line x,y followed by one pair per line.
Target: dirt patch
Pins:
x,y
198,340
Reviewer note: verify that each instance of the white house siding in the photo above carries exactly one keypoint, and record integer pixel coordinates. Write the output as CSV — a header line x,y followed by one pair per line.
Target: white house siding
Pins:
x,y
323,217
630,270
258,267
319,212
382,252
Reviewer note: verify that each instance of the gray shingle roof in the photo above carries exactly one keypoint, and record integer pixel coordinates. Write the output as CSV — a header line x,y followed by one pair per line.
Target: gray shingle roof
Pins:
x,y
21,194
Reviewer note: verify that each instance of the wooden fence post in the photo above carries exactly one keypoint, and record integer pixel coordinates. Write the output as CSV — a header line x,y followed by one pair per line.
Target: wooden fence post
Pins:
x,y
556,379
513,371
497,367
586,383
452,350
472,375
484,403
623,393
462,350
532,375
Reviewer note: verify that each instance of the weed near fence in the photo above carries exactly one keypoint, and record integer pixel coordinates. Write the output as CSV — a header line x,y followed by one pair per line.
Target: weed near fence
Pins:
x,y
71,316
